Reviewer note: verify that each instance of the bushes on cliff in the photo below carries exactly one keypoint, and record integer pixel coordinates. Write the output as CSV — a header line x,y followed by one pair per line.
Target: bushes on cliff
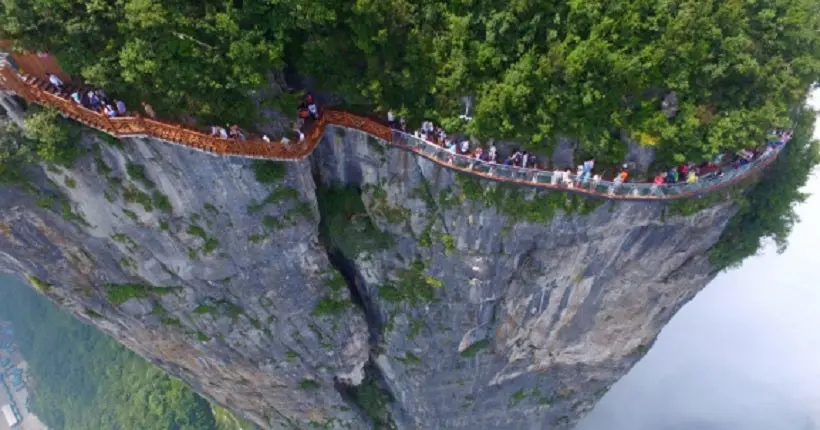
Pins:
x,y
52,138
535,69
345,223
45,137
767,210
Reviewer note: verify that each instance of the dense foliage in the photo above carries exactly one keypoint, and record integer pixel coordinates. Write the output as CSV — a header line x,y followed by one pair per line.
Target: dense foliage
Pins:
x,y
84,380
45,137
535,68
767,210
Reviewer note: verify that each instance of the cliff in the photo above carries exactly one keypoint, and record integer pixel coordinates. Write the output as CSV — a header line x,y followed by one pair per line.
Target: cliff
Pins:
x,y
364,287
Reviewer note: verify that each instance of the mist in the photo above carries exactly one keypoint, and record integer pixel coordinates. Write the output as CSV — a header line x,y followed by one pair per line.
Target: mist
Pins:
x,y
743,355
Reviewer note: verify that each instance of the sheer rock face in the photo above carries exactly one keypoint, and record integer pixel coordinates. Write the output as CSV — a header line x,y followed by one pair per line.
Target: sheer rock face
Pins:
x,y
531,323
240,328
482,319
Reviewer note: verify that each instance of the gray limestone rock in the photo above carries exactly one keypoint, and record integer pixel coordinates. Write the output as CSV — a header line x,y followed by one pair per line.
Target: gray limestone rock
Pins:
x,y
491,308
531,322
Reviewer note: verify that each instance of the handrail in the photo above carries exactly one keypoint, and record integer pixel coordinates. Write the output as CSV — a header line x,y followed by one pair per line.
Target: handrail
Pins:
x,y
255,147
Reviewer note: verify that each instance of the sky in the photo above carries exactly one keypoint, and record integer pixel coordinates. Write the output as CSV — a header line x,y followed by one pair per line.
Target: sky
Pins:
x,y
744,354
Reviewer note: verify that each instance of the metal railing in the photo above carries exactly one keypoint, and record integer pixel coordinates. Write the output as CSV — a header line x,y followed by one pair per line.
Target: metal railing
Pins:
x,y
571,182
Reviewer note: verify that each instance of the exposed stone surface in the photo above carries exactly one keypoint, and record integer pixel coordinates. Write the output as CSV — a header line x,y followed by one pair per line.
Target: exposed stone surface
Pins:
x,y
254,341
554,312
480,311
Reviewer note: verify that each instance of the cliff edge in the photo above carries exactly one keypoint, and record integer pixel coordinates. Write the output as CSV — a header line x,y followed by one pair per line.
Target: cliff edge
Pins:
x,y
364,287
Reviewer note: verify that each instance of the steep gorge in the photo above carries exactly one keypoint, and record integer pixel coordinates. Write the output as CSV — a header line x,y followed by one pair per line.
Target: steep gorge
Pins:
x,y
362,286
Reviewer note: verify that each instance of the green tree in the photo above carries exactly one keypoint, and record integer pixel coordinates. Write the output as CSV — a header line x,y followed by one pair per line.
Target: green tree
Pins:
x,y
52,138
767,209
535,68
84,380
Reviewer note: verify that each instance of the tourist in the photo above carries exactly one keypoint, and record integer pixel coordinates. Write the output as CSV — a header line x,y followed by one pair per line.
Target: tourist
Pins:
x,y
313,110
525,157
121,107
56,81
659,179
236,132
555,178
102,96
223,133
94,100
684,170
451,146
596,179
391,120
214,130
491,156
657,182
513,159
465,146
110,111
301,135
403,124
588,165
442,135
691,177
478,152
149,110
672,175
265,138
77,98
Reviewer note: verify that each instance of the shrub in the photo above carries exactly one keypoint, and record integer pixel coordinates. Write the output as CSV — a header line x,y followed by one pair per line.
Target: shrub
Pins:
x,y
268,172
309,384
121,293
474,349
329,306
137,173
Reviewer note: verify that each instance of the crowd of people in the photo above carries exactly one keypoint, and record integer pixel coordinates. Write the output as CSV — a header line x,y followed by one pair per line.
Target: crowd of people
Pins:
x,y
98,100
583,174
94,99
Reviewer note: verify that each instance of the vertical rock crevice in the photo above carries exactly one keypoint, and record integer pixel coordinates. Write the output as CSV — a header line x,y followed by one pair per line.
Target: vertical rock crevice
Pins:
x,y
371,398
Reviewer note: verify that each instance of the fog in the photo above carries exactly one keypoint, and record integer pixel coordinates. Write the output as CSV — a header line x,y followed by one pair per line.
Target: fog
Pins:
x,y
743,355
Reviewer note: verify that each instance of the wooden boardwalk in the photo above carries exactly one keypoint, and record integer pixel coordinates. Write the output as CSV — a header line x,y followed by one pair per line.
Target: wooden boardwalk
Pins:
x,y
24,75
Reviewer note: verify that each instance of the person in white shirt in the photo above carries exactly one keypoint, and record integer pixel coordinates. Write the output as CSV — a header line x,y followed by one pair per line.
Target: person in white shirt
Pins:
x,y
390,118
557,175
56,81
465,146
314,111
265,138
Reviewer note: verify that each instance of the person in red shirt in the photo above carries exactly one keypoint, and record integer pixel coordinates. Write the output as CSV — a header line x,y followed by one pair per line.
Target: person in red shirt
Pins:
x,y
659,179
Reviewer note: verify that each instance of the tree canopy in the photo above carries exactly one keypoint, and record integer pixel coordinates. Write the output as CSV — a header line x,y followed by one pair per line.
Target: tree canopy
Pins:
x,y
535,68
767,209
85,380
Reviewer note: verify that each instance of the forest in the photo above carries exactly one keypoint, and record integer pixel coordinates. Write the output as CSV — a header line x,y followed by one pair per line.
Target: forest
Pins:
x,y
85,380
535,69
